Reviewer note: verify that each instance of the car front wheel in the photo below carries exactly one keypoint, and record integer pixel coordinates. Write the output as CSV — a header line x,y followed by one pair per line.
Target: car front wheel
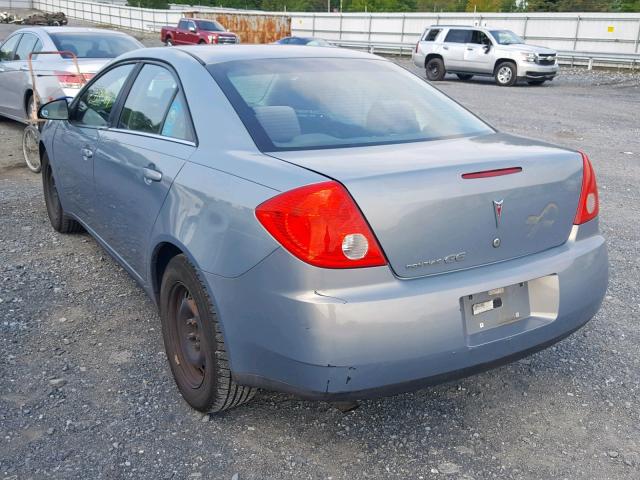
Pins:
x,y
506,74
59,220
194,343
435,69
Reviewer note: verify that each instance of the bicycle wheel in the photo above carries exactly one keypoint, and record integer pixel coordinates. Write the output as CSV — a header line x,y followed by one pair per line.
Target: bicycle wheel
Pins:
x,y
30,148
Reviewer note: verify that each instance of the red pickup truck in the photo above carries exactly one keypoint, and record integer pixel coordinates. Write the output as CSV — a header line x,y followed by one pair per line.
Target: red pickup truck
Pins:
x,y
192,31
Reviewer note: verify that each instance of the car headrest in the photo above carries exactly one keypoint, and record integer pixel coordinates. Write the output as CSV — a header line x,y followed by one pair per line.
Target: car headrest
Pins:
x,y
279,121
392,116
67,47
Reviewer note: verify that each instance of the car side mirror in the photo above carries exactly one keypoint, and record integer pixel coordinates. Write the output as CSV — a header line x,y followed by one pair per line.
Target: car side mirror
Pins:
x,y
192,29
55,110
487,47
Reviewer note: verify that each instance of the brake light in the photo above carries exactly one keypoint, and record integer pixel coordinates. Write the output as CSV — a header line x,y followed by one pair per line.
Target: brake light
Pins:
x,y
72,80
589,204
321,225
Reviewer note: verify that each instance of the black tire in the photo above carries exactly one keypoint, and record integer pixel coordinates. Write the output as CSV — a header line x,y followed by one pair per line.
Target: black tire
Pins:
x,y
59,220
202,42
168,42
194,343
464,76
535,82
435,69
506,74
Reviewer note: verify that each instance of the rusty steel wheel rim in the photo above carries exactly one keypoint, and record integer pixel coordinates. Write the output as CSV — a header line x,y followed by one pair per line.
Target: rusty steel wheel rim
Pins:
x,y
188,337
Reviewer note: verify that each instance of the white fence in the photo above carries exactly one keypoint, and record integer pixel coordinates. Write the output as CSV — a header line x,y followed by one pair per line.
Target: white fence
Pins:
x,y
14,4
594,32
140,19
582,32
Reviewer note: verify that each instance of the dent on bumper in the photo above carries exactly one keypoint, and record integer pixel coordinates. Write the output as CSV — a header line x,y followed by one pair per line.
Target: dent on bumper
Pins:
x,y
328,334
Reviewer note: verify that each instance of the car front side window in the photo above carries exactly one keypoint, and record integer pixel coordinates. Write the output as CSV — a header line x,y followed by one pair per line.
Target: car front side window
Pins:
x,y
480,38
8,49
94,106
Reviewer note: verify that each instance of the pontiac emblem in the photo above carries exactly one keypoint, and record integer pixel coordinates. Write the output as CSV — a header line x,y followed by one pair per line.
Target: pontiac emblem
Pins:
x,y
497,211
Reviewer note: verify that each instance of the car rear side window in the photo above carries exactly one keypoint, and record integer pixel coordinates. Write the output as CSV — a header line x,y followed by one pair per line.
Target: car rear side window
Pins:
x,y
458,36
432,34
8,48
26,46
94,106
156,105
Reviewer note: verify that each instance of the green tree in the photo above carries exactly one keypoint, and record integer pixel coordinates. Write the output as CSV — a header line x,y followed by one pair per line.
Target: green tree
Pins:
x,y
483,6
159,4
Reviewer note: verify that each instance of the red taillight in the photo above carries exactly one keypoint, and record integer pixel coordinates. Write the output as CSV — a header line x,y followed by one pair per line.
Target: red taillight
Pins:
x,y
321,225
589,204
72,80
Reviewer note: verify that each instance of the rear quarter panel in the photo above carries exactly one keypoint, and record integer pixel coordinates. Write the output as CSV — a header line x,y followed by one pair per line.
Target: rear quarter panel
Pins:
x,y
209,211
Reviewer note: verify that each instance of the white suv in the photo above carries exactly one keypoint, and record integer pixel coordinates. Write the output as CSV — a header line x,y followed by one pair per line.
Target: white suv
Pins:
x,y
469,51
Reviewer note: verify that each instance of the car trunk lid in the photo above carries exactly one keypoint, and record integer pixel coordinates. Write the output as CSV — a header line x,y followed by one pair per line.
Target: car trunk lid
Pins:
x,y
429,219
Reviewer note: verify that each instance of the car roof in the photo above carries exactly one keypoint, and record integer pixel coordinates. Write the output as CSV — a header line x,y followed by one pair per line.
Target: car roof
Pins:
x,y
461,27
226,53
50,30
200,19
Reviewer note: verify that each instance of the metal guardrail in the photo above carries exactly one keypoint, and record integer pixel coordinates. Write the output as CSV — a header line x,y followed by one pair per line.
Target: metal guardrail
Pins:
x,y
590,59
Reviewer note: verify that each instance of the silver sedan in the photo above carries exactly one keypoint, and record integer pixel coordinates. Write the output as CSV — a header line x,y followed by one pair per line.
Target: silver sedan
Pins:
x,y
56,75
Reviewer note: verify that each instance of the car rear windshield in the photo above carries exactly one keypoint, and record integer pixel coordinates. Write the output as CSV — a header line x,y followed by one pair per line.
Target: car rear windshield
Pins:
x,y
210,26
312,103
94,45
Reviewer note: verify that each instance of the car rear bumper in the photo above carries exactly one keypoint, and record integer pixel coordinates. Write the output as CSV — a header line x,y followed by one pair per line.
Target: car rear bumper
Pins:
x,y
352,334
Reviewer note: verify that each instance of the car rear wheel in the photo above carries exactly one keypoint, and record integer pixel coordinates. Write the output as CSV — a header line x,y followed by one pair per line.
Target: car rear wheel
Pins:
x,y
506,74
435,69
194,343
535,82
464,76
169,42
59,220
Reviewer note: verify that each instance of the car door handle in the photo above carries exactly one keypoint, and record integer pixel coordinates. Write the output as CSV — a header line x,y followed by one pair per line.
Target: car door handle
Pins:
x,y
471,49
151,174
445,48
86,153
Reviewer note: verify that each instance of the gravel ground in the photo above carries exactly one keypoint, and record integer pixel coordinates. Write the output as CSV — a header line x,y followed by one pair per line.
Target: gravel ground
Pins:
x,y
85,391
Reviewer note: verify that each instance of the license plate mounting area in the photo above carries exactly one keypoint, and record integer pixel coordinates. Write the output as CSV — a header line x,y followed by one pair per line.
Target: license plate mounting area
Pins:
x,y
491,309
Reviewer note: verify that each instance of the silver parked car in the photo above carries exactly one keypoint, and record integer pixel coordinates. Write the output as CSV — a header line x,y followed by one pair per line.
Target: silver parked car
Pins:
x,y
334,239
469,51
56,75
